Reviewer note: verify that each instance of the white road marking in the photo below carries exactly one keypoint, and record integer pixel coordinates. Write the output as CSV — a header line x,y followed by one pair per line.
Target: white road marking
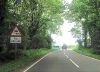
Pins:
x,y
74,63
94,59
88,57
35,63
66,55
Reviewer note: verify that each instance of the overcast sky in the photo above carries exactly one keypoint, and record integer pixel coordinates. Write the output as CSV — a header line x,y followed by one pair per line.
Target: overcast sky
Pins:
x,y
69,1
66,37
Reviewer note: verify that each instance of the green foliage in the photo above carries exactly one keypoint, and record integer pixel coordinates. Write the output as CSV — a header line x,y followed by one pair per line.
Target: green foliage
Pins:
x,y
30,56
87,52
86,13
33,16
37,19
47,17
76,31
36,52
40,41
3,26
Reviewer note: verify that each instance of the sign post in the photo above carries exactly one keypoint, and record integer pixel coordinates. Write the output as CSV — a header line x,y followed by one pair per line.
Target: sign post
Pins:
x,y
15,51
16,38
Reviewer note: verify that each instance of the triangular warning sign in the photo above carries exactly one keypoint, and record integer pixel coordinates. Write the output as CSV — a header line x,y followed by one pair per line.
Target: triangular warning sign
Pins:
x,y
16,32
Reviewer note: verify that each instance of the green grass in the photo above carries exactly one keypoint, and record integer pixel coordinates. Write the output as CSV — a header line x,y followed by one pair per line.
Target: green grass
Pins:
x,y
87,52
36,52
30,55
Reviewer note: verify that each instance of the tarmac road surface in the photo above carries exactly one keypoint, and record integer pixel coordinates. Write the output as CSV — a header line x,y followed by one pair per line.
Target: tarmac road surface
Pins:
x,y
65,61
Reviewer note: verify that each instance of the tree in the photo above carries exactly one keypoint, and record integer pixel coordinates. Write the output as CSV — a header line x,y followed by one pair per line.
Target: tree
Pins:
x,y
89,11
34,17
41,17
40,41
77,33
3,26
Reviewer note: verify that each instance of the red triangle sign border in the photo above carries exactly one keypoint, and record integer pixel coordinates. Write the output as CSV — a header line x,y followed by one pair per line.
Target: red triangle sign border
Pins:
x,y
16,32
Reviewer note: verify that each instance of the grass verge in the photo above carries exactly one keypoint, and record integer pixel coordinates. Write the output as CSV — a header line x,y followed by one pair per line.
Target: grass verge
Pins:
x,y
87,52
29,56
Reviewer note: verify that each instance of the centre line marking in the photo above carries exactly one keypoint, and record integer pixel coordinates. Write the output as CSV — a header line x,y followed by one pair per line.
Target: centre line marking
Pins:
x,y
74,63
67,56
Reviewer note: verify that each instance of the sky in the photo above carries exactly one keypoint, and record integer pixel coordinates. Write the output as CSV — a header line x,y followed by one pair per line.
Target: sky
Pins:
x,y
66,37
69,1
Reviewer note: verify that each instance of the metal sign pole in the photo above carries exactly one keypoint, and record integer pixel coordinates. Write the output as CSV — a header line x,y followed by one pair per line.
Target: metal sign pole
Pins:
x,y
15,51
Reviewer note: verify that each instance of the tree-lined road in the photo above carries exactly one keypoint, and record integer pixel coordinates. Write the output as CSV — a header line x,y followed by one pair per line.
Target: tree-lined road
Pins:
x,y
65,61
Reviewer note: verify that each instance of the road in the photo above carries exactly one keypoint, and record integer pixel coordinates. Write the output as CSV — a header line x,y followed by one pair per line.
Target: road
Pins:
x,y
65,61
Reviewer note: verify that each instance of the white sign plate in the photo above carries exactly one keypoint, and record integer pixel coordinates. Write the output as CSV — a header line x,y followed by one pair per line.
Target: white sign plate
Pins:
x,y
15,39
16,32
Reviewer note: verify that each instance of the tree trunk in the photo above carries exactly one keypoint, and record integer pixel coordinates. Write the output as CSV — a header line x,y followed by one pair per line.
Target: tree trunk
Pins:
x,y
85,36
3,4
95,40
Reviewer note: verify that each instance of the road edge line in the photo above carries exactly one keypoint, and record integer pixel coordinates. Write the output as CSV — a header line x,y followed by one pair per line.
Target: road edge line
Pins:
x,y
36,62
88,56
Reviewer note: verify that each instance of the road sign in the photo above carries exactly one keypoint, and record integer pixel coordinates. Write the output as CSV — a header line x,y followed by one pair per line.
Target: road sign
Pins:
x,y
16,32
15,40
16,36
